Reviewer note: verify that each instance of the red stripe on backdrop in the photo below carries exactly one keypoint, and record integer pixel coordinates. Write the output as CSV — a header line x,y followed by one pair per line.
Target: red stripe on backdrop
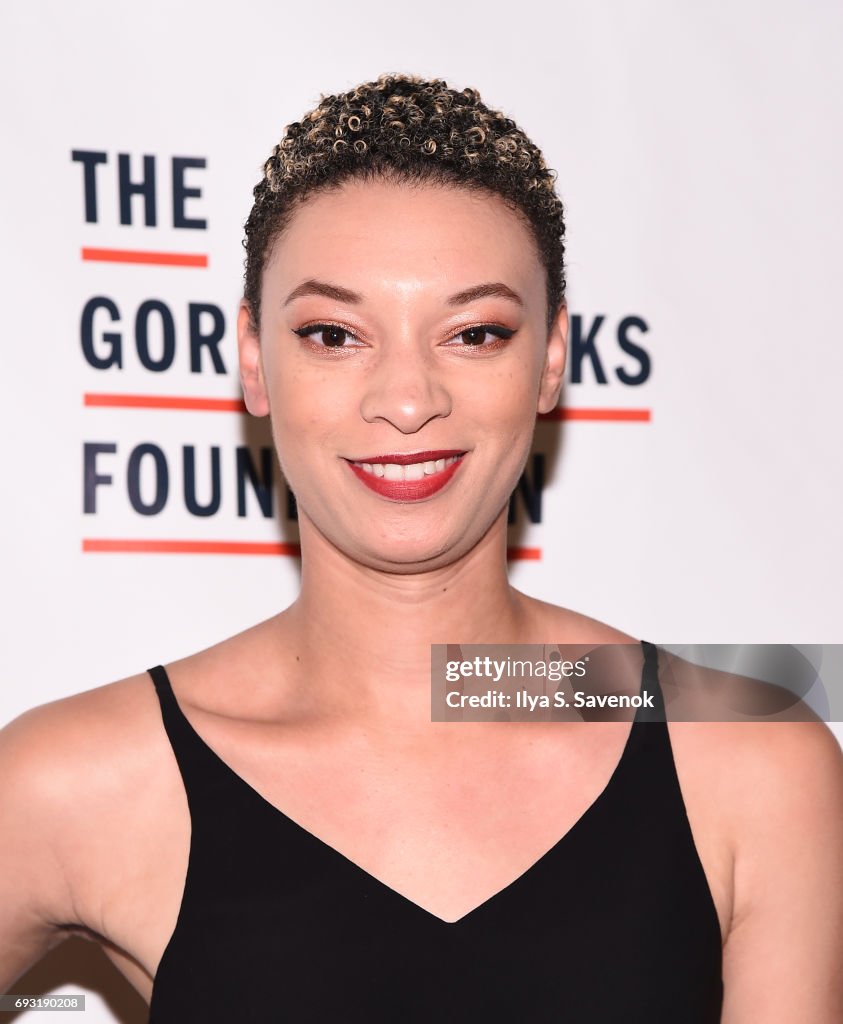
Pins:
x,y
161,259
164,402
608,415
237,405
189,547
524,554
109,545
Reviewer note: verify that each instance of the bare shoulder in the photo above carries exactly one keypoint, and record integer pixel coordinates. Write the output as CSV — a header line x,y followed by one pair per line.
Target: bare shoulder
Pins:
x,y
91,747
67,768
44,749
786,776
762,750
71,757
766,768
49,745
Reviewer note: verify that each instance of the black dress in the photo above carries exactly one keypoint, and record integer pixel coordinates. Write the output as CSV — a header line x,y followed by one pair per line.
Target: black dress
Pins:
x,y
615,924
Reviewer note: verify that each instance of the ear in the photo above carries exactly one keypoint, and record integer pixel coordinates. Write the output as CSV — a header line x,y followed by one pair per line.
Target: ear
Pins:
x,y
251,363
554,364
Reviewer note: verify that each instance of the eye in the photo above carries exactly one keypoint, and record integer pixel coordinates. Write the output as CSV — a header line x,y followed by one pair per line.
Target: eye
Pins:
x,y
332,336
329,335
475,337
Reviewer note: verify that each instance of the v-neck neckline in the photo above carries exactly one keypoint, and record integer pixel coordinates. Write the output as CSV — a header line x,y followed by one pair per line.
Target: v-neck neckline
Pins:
x,y
372,879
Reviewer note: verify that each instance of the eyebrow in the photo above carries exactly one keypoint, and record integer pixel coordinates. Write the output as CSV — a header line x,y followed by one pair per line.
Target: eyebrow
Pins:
x,y
339,294
330,291
481,291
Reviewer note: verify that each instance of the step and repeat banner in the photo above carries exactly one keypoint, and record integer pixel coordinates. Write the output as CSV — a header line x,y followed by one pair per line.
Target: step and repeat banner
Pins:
x,y
687,490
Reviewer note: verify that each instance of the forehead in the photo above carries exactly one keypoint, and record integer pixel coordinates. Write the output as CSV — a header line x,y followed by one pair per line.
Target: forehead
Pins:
x,y
374,232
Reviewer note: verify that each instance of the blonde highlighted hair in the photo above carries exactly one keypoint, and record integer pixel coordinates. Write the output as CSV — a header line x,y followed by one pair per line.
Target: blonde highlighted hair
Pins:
x,y
405,128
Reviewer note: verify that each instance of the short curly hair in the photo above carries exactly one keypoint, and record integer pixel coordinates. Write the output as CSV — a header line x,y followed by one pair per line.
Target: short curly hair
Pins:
x,y
406,128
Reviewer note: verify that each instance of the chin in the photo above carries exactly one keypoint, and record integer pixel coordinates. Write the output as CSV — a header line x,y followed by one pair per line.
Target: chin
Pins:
x,y
405,557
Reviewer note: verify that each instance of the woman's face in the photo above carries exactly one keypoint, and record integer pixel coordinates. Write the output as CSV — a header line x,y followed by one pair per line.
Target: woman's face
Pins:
x,y
368,350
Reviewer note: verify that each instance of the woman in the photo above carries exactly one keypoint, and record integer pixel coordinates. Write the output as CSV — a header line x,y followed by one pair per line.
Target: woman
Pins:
x,y
300,841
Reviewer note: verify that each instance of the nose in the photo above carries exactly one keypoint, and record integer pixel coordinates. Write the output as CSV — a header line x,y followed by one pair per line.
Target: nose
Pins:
x,y
405,388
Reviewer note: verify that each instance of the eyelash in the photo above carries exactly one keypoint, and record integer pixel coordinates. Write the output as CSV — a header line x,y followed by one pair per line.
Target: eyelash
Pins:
x,y
502,334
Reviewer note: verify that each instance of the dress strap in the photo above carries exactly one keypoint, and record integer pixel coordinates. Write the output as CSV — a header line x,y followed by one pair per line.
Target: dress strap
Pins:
x,y
178,727
651,686
197,763
162,683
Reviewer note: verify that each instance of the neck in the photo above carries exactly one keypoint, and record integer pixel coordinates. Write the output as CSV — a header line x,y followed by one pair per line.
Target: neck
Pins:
x,y
363,636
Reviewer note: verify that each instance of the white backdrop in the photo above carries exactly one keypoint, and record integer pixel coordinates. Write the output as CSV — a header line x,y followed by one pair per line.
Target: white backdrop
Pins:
x,y
699,157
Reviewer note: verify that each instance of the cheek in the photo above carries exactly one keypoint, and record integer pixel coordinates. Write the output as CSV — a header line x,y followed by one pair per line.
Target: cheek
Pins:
x,y
308,411
512,410
506,402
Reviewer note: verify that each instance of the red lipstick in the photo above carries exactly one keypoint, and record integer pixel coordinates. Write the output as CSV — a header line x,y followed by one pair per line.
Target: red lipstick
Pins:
x,y
407,490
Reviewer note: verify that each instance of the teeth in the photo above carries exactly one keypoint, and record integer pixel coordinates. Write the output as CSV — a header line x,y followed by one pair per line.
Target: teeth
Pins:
x,y
414,471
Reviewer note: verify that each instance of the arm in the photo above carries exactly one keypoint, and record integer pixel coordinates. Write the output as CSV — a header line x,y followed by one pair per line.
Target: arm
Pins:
x,y
783,958
35,895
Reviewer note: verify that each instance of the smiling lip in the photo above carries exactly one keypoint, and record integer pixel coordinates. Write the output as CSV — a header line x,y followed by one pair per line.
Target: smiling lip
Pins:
x,y
410,458
430,481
